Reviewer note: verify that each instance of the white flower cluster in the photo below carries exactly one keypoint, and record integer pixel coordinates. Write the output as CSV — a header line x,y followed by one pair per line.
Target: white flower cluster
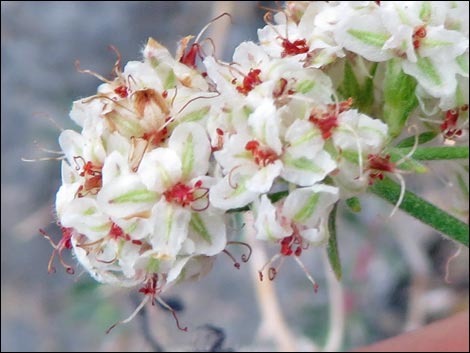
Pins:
x,y
166,149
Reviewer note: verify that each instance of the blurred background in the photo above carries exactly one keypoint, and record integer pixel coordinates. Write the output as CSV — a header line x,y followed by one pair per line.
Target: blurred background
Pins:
x,y
394,269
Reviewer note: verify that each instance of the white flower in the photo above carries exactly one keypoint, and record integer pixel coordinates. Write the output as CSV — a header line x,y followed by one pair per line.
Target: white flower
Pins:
x,y
299,220
418,33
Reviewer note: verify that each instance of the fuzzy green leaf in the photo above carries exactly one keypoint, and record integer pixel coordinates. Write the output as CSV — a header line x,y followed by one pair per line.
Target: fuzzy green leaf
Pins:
x,y
422,210
399,97
332,249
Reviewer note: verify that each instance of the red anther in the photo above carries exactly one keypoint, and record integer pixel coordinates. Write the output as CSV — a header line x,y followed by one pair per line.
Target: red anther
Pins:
x,y
136,242
326,125
449,126
156,137
287,240
420,32
280,88
165,94
184,195
204,74
252,145
121,91
219,132
298,251
299,46
150,287
180,193
418,35
66,240
92,174
190,57
327,120
116,232
262,155
250,81
383,164
286,250
464,107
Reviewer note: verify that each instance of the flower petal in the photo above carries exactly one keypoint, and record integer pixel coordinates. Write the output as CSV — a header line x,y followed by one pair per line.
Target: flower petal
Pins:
x,y
308,206
191,143
160,169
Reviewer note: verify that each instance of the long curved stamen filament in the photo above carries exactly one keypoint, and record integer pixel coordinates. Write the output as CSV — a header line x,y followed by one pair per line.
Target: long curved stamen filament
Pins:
x,y
236,264
402,193
209,24
173,312
309,276
117,64
90,72
136,311
359,149
269,263
244,257
413,149
42,159
449,261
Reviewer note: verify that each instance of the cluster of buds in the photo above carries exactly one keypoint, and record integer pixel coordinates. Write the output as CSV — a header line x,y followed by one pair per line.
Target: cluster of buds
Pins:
x,y
169,146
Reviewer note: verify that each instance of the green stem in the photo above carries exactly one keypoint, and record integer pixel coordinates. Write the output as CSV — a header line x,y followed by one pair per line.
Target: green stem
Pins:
x,y
423,210
332,249
436,153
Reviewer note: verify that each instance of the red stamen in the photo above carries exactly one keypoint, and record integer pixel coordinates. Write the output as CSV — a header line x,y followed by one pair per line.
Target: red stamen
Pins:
x,y
250,81
262,155
418,35
189,58
64,243
299,46
121,91
184,195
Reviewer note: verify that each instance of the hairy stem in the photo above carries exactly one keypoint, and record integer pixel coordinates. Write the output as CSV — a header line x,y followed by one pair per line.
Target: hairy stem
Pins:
x,y
423,210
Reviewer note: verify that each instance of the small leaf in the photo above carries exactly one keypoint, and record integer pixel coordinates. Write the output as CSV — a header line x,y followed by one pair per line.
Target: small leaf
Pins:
x,y
436,153
363,95
354,204
399,97
332,249
422,138
421,209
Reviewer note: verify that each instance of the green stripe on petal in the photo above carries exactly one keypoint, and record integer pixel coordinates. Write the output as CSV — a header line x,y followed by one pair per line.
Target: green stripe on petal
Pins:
x,y
126,126
197,224
170,80
100,228
305,138
153,266
425,11
308,209
240,189
136,196
195,115
462,61
370,38
89,211
187,159
303,163
428,69
433,43
131,228
305,86
168,222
